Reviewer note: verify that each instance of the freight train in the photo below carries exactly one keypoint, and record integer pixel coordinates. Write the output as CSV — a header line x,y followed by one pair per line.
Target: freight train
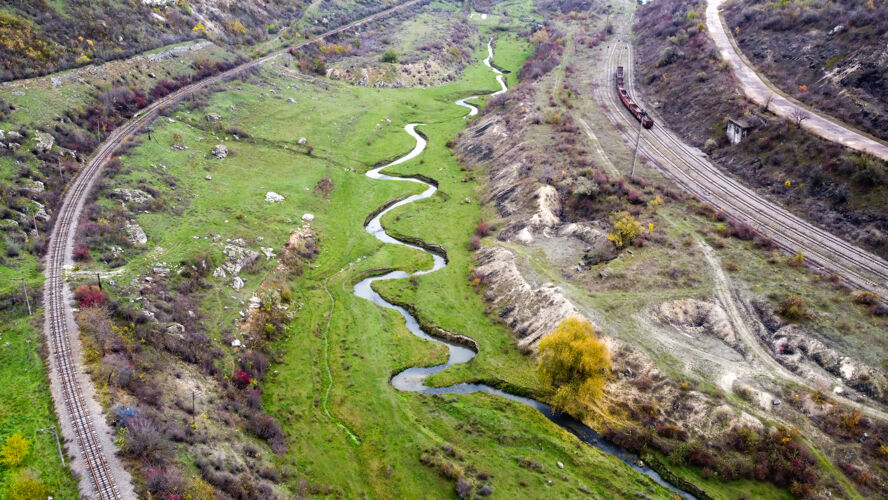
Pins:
x,y
633,108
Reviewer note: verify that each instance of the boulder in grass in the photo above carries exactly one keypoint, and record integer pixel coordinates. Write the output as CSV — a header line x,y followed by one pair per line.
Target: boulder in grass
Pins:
x,y
273,197
220,152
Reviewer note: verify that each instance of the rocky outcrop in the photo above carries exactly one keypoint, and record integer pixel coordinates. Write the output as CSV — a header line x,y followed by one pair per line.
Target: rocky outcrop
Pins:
x,y
530,312
694,317
131,195
237,257
220,152
44,142
796,348
135,234
490,139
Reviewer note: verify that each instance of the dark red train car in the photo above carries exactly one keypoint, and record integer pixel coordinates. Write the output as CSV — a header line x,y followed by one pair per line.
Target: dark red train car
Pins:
x,y
633,108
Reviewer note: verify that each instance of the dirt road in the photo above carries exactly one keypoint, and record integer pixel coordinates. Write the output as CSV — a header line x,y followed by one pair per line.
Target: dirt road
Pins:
x,y
86,433
758,90
691,169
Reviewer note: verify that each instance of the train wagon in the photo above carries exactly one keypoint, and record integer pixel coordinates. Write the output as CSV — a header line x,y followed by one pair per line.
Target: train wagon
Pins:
x,y
633,108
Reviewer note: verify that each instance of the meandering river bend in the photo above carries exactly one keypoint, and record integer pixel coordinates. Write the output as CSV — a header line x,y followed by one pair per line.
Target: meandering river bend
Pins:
x,y
413,379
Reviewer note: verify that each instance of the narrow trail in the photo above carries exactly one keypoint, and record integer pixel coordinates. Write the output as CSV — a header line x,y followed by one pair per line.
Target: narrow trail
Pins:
x,y
413,379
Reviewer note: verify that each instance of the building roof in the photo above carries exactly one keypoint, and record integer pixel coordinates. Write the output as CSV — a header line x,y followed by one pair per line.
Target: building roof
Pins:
x,y
740,123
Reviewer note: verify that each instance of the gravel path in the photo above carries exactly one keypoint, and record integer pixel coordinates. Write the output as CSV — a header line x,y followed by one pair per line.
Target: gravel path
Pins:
x,y
758,90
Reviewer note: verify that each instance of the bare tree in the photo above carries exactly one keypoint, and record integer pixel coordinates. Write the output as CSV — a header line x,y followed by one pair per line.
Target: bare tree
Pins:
x,y
798,116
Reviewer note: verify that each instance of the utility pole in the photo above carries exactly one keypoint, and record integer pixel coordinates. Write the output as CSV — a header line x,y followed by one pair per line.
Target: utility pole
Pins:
x,y
27,300
637,140
58,443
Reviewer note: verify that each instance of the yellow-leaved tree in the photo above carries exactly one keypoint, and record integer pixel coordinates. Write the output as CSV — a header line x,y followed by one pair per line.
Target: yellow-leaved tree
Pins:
x,y
14,450
26,486
573,365
625,229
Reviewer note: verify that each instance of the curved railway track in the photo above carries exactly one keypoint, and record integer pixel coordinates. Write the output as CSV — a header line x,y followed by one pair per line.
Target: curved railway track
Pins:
x,y
689,168
83,425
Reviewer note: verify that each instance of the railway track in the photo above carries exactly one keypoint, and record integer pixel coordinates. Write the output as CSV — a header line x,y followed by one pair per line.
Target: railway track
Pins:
x,y
690,169
82,422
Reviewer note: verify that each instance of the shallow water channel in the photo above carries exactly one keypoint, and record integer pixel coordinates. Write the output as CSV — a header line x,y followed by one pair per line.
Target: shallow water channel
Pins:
x,y
413,379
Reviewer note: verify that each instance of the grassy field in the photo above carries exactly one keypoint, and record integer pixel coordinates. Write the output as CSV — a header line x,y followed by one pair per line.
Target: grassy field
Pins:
x,y
27,405
350,129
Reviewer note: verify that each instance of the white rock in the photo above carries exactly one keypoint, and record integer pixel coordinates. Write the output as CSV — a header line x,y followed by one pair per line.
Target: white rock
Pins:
x,y
135,233
44,142
209,177
235,343
525,236
220,152
308,217
237,283
219,273
132,195
301,141
273,197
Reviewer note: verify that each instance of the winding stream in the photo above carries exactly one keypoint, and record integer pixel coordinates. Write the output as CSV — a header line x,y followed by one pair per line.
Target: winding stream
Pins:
x,y
413,379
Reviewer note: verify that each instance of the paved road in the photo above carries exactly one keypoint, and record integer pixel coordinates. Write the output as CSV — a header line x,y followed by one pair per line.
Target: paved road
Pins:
x,y
758,91
86,433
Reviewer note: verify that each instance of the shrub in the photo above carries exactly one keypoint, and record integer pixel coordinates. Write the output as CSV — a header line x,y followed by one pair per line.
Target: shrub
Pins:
x,y
143,438
573,364
390,56
482,229
797,261
89,296
866,298
324,187
474,243
793,308
625,229
14,450
27,487
463,487
265,427
81,254
240,379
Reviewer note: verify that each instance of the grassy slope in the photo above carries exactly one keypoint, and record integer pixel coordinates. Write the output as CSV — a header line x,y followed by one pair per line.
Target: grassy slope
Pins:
x,y
367,344
400,426
27,405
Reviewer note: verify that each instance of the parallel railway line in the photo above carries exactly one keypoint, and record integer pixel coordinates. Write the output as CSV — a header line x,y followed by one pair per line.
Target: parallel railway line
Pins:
x,y
690,169
81,425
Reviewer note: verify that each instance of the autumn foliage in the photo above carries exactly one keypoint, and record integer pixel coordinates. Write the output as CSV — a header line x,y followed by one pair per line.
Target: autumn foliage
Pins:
x,y
240,379
573,365
89,296
14,450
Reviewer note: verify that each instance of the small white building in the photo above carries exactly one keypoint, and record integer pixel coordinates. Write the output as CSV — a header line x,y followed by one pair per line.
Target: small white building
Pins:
x,y
737,130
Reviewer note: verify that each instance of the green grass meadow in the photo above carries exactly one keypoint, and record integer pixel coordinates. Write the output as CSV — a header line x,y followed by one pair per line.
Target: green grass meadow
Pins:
x,y
351,129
